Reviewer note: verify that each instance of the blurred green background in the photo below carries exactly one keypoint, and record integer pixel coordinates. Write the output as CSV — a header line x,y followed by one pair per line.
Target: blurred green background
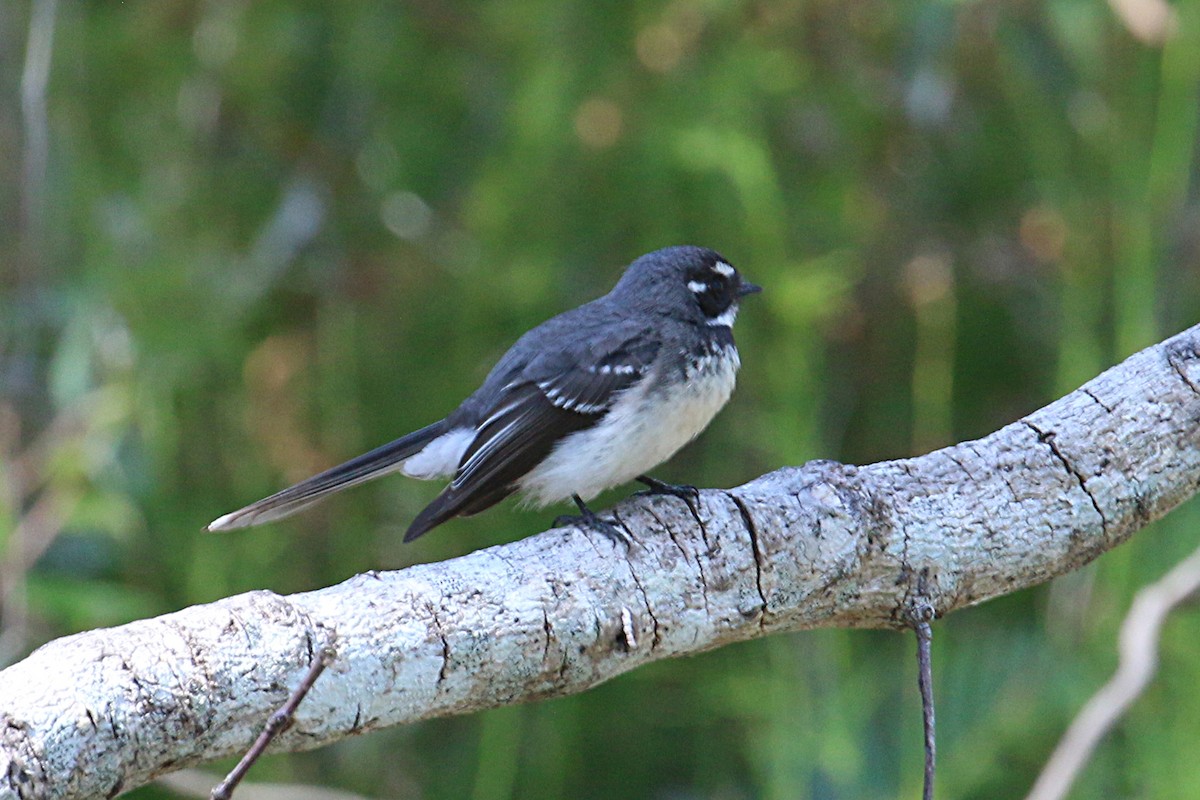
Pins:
x,y
240,242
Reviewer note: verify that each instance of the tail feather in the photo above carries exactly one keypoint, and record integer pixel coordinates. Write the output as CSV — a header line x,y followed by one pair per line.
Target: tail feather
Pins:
x,y
358,470
451,503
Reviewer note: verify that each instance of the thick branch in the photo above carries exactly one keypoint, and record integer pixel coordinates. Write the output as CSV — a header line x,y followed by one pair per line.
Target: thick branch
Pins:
x,y
821,545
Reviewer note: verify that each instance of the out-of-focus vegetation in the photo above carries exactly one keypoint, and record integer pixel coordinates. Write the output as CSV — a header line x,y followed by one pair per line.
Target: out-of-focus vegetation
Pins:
x,y
241,241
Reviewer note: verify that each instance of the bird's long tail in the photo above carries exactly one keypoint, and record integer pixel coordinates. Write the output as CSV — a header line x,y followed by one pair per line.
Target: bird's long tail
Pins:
x,y
379,461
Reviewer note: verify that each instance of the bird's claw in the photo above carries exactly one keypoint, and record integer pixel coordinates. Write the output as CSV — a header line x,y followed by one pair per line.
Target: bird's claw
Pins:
x,y
586,518
686,493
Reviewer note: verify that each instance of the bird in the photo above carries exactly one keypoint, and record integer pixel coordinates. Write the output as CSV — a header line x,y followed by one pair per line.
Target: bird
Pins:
x,y
588,400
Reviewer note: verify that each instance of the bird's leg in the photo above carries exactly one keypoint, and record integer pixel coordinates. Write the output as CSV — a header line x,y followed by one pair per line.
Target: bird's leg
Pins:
x,y
686,493
588,518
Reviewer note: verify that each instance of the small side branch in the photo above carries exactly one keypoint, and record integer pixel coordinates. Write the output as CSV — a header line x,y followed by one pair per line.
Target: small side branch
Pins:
x,y
277,722
922,616
1138,661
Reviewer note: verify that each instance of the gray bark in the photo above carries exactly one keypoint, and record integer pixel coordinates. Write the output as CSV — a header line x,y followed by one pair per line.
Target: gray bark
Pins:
x,y
822,545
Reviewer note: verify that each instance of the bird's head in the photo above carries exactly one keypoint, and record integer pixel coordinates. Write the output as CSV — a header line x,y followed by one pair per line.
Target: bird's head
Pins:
x,y
690,283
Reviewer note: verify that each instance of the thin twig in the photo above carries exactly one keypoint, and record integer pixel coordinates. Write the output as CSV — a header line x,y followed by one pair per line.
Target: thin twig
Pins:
x,y
1138,660
275,723
48,505
35,77
925,683
196,783
920,613
35,531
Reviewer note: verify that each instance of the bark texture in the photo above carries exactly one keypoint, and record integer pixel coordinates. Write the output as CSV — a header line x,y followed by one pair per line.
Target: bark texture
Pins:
x,y
820,545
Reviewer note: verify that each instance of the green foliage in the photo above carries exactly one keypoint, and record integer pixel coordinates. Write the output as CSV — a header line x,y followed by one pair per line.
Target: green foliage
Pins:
x,y
276,234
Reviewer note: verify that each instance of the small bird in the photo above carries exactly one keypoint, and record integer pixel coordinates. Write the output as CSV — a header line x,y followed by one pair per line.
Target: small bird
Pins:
x,y
588,400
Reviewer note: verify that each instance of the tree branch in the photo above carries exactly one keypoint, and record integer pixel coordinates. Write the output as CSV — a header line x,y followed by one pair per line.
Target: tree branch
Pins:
x,y
822,545
1138,646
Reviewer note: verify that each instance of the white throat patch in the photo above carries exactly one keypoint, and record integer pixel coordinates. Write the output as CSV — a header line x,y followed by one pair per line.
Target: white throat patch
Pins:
x,y
726,318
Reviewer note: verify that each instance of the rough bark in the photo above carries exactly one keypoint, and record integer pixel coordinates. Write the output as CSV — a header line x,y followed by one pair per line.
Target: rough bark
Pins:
x,y
820,545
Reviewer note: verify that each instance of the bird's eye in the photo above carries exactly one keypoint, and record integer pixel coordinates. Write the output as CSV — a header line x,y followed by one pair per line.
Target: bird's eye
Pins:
x,y
712,290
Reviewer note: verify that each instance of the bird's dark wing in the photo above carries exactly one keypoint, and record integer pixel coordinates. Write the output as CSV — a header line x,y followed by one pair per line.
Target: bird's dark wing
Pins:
x,y
557,393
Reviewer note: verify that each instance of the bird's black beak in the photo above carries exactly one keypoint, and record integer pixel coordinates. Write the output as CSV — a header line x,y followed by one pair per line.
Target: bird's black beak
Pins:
x,y
748,288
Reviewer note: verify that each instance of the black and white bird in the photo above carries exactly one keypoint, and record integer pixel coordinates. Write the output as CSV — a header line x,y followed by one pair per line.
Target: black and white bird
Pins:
x,y
587,400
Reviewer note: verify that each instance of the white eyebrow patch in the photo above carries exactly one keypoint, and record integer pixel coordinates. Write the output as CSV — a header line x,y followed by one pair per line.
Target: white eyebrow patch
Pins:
x,y
723,268
698,287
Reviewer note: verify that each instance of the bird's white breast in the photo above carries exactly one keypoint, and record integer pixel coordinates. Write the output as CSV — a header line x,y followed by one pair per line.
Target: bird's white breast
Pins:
x,y
648,423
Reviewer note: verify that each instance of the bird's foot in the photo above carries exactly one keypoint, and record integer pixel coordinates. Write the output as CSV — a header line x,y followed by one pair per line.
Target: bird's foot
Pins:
x,y
590,519
686,493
